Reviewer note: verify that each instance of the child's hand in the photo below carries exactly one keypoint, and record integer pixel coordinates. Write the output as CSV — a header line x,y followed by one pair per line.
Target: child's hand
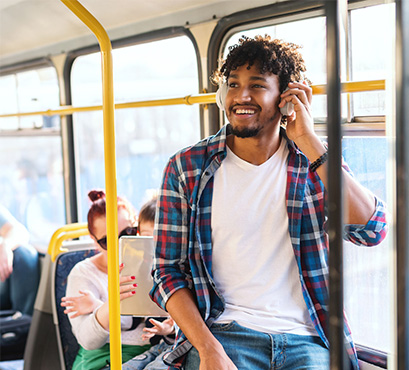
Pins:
x,y
127,285
159,328
83,304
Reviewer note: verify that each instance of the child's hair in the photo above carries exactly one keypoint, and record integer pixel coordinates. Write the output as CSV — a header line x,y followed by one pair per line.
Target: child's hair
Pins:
x,y
147,212
98,207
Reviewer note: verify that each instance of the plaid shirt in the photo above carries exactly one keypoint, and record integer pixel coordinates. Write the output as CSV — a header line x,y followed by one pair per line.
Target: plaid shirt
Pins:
x,y
183,235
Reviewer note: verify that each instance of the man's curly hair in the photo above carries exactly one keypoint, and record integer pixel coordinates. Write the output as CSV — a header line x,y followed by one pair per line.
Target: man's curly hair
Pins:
x,y
275,56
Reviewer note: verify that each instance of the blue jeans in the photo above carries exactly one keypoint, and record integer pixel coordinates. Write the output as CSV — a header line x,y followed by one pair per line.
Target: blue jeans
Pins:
x,y
19,290
250,349
152,359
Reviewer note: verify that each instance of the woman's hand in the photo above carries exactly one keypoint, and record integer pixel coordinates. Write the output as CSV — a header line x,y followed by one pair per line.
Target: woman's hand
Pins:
x,y
127,285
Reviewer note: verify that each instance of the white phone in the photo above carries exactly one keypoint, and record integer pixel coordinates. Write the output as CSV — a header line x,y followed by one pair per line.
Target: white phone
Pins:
x,y
288,108
221,93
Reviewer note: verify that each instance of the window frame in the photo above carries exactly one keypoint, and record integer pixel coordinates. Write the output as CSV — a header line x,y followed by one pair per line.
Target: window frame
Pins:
x,y
279,13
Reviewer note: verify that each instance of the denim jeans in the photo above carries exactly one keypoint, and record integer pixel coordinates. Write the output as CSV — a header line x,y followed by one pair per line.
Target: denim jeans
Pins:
x,y
19,290
152,359
250,349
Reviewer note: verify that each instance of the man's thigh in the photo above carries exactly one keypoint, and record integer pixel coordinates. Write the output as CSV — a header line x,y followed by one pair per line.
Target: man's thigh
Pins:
x,y
248,349
299,352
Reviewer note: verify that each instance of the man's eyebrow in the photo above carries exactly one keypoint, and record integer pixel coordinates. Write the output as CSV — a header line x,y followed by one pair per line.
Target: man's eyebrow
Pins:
x,y
252,78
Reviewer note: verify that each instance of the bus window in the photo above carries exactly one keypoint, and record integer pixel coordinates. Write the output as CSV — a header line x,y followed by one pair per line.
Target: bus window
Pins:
x,y
145,137
372,30
29,91
31,179
367,277
368,295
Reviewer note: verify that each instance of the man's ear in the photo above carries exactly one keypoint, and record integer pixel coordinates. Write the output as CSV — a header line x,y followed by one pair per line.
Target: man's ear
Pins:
x,y
221,95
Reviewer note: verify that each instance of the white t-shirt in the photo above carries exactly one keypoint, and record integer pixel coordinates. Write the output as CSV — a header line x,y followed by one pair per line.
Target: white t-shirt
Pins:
x,y
254,266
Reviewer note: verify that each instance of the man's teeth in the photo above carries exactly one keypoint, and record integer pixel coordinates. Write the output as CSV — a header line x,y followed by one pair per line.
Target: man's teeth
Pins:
x,y
244,111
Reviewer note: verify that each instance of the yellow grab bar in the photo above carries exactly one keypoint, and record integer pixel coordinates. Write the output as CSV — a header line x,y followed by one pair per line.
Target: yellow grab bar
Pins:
x,y
352,87
66,232
110,177
209,98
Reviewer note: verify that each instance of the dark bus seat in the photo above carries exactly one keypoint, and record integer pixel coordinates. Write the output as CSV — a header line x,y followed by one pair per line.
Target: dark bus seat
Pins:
x,y
67,343
43,348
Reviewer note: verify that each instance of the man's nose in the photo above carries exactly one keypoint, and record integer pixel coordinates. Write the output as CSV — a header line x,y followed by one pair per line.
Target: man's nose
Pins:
x,y
242,95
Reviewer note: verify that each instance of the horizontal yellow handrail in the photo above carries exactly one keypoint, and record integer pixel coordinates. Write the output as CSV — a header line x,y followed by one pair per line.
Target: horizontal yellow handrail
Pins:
x,y
352,87
209,98
66,232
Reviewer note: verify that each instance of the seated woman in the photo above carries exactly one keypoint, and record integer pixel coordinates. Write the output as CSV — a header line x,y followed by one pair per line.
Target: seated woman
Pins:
x,y
87,298
89,279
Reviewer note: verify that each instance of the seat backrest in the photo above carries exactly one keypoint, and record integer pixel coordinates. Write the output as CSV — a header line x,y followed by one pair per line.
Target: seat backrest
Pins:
x,y
67,343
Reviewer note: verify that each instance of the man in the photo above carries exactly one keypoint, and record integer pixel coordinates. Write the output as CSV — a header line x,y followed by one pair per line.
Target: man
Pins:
x,y
19,266
241,249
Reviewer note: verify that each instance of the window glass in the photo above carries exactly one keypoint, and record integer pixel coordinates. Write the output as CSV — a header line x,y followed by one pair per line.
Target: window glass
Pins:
x,y
34,90
31,184
367,278
31,178
372,36
145,137
8,102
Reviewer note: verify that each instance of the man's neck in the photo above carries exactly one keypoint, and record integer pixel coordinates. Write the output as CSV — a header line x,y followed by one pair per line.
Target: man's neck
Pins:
x,y
254,150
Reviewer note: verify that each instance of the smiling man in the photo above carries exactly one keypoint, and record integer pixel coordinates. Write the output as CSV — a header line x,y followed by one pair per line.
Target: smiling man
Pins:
x,y
241,249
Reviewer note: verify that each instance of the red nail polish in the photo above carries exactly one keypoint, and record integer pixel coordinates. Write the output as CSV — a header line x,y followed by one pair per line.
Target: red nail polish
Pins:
x,y
135,285
133,292
133,277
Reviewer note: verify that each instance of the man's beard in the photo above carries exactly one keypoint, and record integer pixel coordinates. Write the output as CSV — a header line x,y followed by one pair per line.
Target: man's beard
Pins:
x,y
245,132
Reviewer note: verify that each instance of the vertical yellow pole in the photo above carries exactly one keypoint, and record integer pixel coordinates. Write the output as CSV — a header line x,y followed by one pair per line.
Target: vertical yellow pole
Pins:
x,y
110,177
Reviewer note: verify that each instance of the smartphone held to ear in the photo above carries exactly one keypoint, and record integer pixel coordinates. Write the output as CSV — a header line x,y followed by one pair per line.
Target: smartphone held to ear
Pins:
x,y
288,108
221,93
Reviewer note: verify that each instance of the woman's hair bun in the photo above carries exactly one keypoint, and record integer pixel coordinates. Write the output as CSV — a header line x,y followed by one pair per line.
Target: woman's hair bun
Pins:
x,y
95,195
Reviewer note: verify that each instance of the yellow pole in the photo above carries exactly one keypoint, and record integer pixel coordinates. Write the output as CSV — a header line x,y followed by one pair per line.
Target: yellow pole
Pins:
x,y
110,177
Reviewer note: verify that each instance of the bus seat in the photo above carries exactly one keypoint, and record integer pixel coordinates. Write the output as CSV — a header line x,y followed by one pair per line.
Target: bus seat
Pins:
x,y
67,343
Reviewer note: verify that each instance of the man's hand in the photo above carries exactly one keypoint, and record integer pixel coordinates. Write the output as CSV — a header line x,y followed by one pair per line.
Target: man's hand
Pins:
x,y
300,123
215,359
